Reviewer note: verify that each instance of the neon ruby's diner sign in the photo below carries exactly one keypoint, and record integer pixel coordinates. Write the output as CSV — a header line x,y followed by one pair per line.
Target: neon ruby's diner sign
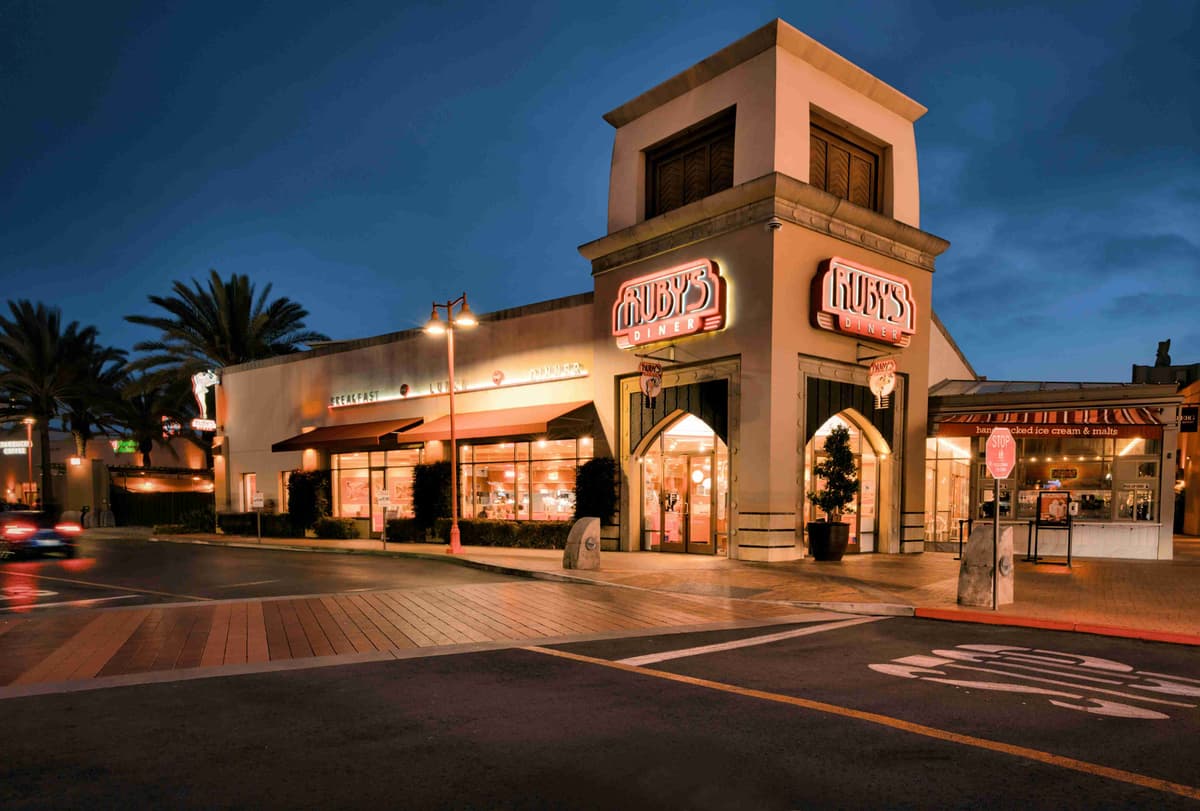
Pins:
x,y
685,300
857,300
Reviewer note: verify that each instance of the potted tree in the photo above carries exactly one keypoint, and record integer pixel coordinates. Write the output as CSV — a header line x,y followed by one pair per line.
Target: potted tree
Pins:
x,y
828,537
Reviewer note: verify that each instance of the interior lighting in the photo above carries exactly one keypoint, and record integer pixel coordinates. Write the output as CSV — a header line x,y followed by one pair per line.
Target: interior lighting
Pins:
x,y
697,475
76,461
1129,447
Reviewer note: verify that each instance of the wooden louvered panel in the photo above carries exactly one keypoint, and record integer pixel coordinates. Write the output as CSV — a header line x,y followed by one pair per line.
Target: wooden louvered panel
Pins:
x,y
691,165
721,165
861,182
695,175
669,185
816,162
837,177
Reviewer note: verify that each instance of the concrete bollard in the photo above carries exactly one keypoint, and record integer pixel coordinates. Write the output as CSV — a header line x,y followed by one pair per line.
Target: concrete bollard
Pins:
x,y
583,545
975,573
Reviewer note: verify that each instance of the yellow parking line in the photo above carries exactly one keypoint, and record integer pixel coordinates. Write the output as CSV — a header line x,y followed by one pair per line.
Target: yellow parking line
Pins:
x,y
1120,775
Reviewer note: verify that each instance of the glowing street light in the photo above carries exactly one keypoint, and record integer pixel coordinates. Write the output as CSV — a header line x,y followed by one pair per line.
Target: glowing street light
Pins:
x,y
464,319
29,421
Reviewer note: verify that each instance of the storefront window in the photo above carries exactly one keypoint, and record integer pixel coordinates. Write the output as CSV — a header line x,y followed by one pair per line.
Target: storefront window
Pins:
x,y
947,487
357,479
1108,479
521,481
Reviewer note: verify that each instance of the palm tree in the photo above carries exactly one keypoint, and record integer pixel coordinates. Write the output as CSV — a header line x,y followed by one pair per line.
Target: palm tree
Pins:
x,y
218,325
40,367
91,408
142,407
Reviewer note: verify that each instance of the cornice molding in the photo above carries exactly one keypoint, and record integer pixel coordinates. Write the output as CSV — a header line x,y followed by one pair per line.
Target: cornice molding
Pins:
x,y
774,195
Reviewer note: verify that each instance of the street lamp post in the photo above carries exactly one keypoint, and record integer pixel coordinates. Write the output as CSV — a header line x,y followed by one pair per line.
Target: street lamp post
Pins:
x,y
29,456
436,326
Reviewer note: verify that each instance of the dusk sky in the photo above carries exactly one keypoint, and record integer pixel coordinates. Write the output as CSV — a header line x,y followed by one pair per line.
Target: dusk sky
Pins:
x,y
367,158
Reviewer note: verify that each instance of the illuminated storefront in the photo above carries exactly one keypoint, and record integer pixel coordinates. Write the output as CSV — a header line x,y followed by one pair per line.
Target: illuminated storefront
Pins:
x,y
756,286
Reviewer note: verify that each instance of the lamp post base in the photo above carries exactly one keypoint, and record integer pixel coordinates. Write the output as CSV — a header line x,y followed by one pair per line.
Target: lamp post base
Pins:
x,y
455,541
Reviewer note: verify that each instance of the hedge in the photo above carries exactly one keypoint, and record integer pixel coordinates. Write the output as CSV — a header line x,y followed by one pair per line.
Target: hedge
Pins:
x,y
404,529
516,534
596,489
274,525
336,528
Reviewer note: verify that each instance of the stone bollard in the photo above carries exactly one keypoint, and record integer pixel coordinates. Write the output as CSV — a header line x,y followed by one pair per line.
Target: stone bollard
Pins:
x,y
583,545
975,573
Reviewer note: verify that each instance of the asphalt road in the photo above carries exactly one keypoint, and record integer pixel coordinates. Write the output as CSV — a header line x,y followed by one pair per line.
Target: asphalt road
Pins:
x,y
840,717
110,573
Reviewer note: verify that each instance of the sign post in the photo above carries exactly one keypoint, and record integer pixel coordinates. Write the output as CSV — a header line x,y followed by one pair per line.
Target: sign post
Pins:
x,y
257,504
384,499
1001,456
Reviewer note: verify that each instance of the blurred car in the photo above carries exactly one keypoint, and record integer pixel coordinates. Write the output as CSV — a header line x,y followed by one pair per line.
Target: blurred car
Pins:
x,y
27,532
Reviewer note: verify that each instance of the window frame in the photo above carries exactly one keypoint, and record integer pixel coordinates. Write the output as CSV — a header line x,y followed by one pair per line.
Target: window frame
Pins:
x,y
704,133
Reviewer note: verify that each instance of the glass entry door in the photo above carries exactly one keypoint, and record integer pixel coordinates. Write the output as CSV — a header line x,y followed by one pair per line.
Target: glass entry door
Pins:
x,y
687,503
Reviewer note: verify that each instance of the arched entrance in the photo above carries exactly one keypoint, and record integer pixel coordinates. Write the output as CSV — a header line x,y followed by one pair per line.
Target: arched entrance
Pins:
x,y
871,456
684,489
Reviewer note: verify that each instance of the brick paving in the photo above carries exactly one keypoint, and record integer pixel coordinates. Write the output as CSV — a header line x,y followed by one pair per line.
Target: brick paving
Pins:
x,y
176,637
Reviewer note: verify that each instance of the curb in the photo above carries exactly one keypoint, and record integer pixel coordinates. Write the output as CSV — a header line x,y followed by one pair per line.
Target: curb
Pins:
x,y
954,615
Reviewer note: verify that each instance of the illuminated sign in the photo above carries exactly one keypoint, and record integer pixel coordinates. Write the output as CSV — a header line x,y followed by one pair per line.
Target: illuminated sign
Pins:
x,y
14,451
685,300
860,301
14,444
202,384
545,373
882,381
125,446
204,425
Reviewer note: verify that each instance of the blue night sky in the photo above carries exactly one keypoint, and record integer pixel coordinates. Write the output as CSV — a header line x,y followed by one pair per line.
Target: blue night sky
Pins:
x,y
366,158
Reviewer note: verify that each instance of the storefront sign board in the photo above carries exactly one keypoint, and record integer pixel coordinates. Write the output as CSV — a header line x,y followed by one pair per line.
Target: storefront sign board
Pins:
x,y
1187,419
497,378
1058,430
864,302
675,303
1001,454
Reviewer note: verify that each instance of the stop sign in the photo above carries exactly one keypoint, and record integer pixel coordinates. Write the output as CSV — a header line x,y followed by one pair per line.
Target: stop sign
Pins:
x,y
1001,453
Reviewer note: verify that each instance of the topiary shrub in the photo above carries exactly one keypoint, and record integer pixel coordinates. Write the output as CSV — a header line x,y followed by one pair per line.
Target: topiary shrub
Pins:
x,y
431,494
308,499
336,528
200,520
596,489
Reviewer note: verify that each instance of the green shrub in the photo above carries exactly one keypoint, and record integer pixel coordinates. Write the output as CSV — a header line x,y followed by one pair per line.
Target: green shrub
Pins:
x,y
279,525
404,529
336,528
236,523
308,498
596,489
512,534
431,493
200,520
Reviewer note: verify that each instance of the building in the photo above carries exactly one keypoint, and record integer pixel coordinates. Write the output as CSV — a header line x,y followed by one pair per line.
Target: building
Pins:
x,y
763,276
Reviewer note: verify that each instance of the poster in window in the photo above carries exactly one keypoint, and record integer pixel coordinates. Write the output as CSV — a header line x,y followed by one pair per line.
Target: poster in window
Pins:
x,y
354,492
1053,508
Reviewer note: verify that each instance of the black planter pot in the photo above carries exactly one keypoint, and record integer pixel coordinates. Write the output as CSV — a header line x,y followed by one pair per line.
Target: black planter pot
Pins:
x,y
827,541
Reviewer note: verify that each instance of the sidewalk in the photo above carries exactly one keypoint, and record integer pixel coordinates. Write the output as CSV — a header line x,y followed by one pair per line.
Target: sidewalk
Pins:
x,y
1157,600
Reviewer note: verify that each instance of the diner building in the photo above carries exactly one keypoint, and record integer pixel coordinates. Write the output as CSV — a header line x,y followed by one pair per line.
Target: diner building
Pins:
x,y
762,279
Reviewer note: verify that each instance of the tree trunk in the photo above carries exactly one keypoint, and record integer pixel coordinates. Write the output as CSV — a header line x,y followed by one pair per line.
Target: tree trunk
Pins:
x,y
80,443
46,496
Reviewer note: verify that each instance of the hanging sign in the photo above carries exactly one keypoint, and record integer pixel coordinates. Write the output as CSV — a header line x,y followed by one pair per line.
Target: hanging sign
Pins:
x,y
857,300
882,381
685,300
651,381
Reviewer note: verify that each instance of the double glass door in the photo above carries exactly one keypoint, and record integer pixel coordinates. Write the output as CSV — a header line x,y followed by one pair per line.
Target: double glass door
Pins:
x,y
687,503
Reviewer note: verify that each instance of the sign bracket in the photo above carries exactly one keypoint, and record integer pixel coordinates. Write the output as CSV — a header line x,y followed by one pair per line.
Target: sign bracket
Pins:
x,y
872,352
653,356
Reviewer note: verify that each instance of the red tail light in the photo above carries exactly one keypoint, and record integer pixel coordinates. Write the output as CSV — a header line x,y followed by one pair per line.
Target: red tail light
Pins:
x,y
68,528
19,530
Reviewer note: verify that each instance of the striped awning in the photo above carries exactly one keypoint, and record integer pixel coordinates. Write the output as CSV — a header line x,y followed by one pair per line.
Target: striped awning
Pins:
x,y
1082,422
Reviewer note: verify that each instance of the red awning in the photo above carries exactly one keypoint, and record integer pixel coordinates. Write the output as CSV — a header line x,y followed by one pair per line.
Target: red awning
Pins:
x,y
536,420
355,436
1084,422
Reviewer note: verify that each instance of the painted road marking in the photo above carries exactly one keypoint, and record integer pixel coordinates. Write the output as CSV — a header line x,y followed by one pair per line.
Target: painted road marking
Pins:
x,y
107,586
24,593
247,583
71,602
1049,758
1079,674
652,658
